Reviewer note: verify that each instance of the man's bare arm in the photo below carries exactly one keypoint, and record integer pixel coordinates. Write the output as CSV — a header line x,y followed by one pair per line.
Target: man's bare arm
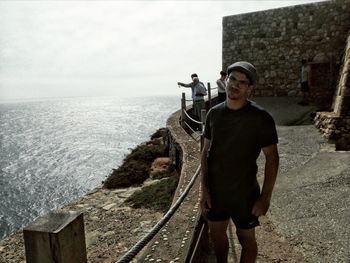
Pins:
x,y
189,85
271,169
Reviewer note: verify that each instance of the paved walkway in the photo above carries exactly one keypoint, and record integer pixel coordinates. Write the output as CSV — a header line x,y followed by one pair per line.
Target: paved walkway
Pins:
x,y
310,202
310,205
286,110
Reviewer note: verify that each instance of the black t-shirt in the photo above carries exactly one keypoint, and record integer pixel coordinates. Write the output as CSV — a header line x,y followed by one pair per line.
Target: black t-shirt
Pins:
x,y
237,137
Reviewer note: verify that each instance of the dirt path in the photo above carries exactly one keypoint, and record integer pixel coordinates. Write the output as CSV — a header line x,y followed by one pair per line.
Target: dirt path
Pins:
x,y
112,228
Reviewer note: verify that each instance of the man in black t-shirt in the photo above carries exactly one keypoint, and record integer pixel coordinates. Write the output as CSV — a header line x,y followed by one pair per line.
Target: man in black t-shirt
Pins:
x,y
235,133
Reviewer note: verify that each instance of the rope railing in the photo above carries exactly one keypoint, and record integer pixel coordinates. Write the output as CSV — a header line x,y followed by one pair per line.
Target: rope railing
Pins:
x,y
194,134
188,126
189,122
78,219
130,255
189,117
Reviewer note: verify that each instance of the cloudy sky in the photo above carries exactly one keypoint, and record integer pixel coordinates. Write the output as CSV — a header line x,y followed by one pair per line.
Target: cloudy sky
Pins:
x,y
112,48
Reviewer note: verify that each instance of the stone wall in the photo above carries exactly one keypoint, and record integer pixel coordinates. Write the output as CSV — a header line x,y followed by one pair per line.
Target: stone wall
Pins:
x,y
342,96
335,125
276,40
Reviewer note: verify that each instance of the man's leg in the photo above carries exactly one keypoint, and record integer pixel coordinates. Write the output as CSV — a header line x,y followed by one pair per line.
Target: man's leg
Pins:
x,y
201,107
247,240
196,110
219,237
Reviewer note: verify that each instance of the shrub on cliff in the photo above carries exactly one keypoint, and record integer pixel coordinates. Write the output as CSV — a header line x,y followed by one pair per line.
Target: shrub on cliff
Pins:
x,y
164,174
157,196
135,167
146,153
130,173
160,133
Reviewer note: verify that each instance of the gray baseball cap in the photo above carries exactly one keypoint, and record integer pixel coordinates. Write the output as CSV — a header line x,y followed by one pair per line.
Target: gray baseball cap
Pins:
x,y
246,68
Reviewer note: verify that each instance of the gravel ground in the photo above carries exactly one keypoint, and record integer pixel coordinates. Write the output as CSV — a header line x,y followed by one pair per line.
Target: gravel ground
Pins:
x,y
111,228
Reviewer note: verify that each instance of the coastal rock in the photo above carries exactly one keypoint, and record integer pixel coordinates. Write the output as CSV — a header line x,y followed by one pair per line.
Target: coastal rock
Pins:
x,y
160,164
92,237
107,207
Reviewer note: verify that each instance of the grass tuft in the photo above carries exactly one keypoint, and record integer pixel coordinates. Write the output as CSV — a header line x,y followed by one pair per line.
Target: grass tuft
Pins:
x,y
157,196
136,166
131,173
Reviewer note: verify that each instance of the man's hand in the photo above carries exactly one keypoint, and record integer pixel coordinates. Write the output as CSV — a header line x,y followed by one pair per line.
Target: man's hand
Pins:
x,y
205,201
261,206
179,84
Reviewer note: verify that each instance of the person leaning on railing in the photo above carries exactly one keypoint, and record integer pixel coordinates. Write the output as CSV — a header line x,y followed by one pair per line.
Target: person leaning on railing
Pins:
x,y
198,93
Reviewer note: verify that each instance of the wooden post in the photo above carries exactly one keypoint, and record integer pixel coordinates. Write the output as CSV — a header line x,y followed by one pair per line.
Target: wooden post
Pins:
x,y
203,115
209,95
183,108
57,237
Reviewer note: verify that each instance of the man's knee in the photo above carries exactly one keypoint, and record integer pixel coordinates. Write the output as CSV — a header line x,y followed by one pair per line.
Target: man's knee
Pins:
x,y
218,228
247,238
249,244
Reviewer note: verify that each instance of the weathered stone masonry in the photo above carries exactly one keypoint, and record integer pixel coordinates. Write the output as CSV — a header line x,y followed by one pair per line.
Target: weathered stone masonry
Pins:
x,y
276,40
336,124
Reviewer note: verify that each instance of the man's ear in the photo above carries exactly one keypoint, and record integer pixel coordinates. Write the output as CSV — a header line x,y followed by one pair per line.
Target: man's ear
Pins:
x,y
250,91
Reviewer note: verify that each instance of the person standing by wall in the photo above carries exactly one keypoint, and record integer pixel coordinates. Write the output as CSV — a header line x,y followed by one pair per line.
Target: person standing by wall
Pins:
x,y
198,93
305,80
235,133
221,83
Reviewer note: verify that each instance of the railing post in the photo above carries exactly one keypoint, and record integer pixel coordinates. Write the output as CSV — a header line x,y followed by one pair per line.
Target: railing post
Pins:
x,y
209,95
57,237
183,108
203,116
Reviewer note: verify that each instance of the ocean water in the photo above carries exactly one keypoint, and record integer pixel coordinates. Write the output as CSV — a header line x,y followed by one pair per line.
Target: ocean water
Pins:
x,y
53,151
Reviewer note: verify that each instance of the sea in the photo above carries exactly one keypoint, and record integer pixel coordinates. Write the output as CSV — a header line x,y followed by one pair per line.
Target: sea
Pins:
x,y
53,151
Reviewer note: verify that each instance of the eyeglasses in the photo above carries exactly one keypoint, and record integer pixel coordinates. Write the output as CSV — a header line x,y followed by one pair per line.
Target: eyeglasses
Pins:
x,y
238,83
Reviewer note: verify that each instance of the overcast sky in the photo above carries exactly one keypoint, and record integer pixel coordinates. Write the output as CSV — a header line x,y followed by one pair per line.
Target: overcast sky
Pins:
x,y
112,48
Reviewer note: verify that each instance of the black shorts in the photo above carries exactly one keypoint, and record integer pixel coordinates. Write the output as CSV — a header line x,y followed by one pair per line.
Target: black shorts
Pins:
x,y
305,86
247,221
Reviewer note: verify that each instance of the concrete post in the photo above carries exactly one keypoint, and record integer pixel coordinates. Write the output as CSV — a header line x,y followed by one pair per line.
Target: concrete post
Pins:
x,y
57,237
203,115
183,108
209,95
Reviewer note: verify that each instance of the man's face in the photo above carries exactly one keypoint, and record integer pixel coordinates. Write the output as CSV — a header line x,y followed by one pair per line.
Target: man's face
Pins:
x,y
238,86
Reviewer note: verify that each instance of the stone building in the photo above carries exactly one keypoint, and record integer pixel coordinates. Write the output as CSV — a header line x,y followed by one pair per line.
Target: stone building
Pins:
x,y
276,41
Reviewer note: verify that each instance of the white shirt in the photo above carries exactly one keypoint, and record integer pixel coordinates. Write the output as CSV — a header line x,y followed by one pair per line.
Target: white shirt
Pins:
x,y
305,70
221,85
